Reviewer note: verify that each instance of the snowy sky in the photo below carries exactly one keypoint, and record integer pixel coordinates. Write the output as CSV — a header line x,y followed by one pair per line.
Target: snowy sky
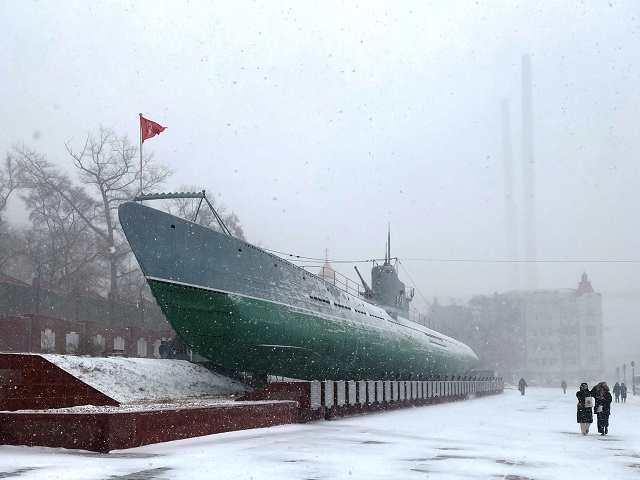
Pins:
x,y
502,436
320,123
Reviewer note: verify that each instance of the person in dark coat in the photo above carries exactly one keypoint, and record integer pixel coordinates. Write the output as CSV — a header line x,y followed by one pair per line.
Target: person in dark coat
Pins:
x,y
616,391
563,385
603,407
623,393
522,385
585,413
162,349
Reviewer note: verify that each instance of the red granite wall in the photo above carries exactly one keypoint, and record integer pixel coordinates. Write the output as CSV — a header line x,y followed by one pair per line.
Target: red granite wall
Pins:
x,y
103,432
297,391
15,334
30,382
23,334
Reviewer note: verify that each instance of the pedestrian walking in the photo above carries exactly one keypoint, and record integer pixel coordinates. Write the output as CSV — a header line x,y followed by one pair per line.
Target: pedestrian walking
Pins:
x,y
563,385
585,408
623,393
162,349
603,407
522,385
616,392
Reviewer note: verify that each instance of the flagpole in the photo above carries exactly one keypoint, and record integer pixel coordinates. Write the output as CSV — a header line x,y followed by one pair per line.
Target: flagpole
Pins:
x,y
140,154
148,129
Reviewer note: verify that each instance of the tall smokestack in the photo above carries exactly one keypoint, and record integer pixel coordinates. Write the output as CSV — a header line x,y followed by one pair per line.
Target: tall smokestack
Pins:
x,y
528,178
509,199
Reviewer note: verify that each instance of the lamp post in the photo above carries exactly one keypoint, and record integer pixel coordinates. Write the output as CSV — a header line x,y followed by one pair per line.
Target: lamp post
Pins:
x,y
633,377
624,373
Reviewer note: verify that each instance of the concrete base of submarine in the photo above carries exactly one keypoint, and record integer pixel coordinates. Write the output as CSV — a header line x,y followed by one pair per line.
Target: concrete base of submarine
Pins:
x,y
27,389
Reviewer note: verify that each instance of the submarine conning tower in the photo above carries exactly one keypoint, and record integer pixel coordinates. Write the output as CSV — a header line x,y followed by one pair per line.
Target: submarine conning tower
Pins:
x,y
387,290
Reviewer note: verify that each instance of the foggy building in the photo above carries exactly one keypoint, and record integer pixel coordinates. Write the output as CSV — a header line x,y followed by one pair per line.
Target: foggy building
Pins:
x,y
545,336
563,335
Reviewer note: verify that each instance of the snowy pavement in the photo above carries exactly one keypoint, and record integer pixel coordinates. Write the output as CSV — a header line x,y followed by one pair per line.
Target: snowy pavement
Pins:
x,y
505,436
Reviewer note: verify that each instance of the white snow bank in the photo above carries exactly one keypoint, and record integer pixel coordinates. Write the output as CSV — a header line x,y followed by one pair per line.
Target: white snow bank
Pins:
x,y
136,380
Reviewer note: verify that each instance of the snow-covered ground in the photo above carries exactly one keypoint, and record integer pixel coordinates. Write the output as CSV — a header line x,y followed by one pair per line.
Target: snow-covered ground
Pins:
x,y
505,436
144,380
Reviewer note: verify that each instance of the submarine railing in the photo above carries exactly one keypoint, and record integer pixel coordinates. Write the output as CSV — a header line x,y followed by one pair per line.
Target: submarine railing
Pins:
x,y
346,284
336,279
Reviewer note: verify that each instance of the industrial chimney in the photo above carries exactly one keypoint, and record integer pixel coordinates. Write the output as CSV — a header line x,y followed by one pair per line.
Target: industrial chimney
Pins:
x,y
528,177
509,199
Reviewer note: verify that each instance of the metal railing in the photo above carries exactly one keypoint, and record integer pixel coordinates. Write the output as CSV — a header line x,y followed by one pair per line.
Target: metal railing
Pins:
x,y
332,277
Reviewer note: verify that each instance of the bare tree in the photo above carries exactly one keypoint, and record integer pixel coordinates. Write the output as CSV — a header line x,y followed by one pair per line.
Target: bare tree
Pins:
x,y
60,247
11,261
106,164
10,178
233,224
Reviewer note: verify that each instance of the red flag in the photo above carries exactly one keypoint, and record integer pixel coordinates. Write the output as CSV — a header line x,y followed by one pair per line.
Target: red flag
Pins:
x,y
149,129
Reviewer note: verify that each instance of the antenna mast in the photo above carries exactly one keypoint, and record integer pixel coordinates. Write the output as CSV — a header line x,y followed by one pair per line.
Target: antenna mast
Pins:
x,y
387,250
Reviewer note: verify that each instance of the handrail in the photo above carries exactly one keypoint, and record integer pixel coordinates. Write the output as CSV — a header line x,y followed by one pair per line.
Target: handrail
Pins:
x,y
201,195
347,285
165,196
338,280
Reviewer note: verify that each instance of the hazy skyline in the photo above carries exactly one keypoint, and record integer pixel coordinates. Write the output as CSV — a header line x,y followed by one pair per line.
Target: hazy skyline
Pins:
x,y
319,124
